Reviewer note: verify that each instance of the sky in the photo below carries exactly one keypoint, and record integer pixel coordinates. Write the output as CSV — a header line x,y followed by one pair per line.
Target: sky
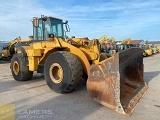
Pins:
x,y
121,19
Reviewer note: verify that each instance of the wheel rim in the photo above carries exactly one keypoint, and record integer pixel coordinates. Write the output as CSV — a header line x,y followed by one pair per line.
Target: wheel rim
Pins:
x,y
16,67
56,73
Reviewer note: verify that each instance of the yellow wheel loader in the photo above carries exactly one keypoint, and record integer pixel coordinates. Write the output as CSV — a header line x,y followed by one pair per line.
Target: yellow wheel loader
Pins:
x,y
116,82
8,51
147,50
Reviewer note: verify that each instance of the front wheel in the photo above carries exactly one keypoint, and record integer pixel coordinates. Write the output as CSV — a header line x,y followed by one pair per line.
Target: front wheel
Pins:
x,y
19,68
63,71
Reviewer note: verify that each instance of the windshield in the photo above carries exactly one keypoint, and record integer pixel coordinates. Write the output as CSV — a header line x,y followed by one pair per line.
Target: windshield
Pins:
x,y
55,27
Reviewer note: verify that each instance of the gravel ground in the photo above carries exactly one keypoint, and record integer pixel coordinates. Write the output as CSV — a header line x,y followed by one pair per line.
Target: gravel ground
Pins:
x,y
33,99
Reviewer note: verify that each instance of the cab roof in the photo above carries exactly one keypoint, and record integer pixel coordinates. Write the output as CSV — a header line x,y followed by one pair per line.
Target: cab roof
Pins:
x,y
51,17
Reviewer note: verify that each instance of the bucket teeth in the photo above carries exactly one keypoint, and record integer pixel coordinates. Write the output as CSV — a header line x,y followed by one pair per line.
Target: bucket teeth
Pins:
x,y
117,82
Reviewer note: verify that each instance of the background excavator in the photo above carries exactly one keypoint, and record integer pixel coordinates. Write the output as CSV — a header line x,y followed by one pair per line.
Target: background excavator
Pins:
x,y
9,50
116,82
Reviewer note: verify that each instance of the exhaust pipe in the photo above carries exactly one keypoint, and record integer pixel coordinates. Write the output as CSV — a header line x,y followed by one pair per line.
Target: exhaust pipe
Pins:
x,y
118,82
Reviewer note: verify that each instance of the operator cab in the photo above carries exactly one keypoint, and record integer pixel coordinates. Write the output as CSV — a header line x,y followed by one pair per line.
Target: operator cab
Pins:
x,y
45,28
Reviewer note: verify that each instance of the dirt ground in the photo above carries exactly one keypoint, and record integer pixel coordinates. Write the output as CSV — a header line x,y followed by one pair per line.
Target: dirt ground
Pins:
x,y
34,100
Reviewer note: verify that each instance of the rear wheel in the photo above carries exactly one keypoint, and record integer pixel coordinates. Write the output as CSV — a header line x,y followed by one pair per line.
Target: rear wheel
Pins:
x,y
19,68
63,71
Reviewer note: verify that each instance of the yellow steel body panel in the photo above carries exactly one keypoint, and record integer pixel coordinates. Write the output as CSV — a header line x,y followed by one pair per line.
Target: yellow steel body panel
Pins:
x,y
33,63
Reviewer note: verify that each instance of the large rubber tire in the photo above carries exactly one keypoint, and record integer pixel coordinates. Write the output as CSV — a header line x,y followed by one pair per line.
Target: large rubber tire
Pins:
x,y
19,68
71,68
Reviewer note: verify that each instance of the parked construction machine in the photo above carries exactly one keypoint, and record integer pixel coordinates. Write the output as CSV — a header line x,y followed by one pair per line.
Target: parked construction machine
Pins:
x,y
108,45
124,44
9,51
116,82
154,49
104,39
147,49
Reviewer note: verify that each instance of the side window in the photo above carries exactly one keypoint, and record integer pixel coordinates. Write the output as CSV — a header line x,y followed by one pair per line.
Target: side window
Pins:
x,y
37,32
40,35
47,31
34,33
59,29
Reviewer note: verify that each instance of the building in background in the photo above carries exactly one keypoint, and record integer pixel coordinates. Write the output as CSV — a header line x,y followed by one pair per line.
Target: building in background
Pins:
x,y
137,42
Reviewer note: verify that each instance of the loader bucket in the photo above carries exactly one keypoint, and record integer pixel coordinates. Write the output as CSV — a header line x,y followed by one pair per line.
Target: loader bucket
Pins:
x,y
117,82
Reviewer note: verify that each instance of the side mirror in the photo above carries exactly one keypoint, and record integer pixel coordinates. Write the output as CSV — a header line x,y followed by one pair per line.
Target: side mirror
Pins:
x,y
35,22
67,29
66,22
